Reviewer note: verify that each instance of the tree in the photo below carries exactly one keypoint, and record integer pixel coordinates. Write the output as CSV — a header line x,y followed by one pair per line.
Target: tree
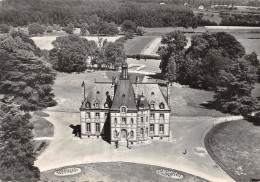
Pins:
x,y
35,28
24,77
128,26
229,45
129,35
69,29
173,43
49,29
4,28
114,53
16,152
69,53
236,84
140,31
171,70
84,29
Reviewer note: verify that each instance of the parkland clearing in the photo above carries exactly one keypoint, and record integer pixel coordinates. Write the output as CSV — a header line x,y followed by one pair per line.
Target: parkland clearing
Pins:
x,y
212,68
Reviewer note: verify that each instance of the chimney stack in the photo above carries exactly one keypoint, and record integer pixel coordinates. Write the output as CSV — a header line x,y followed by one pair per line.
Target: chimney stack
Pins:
x,y
136,88
83,91
168,94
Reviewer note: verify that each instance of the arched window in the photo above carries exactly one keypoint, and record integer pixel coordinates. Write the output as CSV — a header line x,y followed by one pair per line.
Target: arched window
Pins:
x,y
106,105
141,106
115,121
161,106
123,109
132,121
87,104
115,134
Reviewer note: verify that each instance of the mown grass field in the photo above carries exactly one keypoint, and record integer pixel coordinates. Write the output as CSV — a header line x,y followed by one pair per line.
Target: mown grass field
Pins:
x,y
235,147
42,127
137,44
117,171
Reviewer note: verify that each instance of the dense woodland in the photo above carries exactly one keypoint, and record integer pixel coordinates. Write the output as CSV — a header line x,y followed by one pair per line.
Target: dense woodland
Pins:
x,y
63,12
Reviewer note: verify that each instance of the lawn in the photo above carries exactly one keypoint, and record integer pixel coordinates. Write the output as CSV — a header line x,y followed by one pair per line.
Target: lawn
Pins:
x,y
42,127
235,147
137,44
44,42
117,171
189,102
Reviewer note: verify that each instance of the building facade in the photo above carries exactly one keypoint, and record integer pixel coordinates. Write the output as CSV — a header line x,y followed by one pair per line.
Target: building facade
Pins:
x,y
124,112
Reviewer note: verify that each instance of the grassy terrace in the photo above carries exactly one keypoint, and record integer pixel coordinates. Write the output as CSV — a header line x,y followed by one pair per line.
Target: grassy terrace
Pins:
x,y
235,147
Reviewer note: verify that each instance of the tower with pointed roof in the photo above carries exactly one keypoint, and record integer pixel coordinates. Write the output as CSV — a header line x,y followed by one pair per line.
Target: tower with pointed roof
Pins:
x,y
125,113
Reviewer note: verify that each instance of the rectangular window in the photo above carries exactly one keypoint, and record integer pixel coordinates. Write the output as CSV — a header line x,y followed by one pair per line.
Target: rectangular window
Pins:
x,y
88,127
151,128
161,116
97,127
87,115
123,120
132,134
97,115
115,134
106,115
142,119
152,115
161,128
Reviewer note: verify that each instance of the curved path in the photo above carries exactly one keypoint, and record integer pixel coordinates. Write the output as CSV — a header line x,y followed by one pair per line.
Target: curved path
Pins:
x,y
187,134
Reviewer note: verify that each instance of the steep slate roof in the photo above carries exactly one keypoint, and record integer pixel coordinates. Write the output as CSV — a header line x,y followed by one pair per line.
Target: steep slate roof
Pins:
x,y
124,96
157,97
93,95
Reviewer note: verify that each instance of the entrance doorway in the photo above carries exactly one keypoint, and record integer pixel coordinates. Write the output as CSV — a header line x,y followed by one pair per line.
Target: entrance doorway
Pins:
x,y
123,135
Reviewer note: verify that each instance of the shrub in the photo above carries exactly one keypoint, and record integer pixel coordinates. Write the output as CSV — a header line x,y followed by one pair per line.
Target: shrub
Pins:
x,y
4,28
35,28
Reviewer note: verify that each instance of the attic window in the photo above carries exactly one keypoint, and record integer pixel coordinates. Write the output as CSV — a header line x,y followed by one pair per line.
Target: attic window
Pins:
x,y
161,106
123,95
152,105
106,105
123,109
152,93
87,105
142,106
96,105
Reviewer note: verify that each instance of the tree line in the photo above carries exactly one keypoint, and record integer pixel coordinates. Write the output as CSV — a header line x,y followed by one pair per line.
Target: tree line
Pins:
x,y
72,53
240,20
214,61
26,83
63,12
